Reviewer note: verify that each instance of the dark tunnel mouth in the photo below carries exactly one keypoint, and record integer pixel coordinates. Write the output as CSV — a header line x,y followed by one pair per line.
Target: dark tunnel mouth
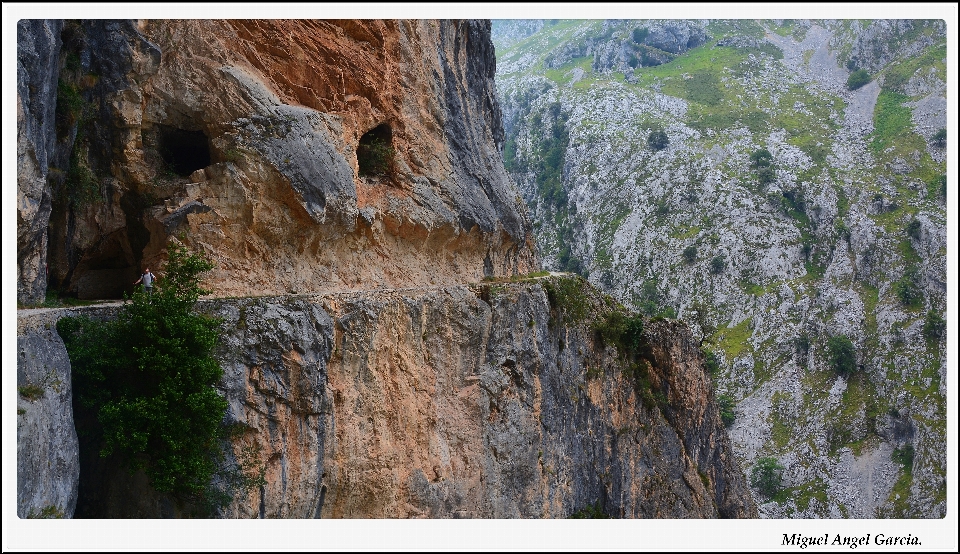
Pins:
x,y
183,151
375,153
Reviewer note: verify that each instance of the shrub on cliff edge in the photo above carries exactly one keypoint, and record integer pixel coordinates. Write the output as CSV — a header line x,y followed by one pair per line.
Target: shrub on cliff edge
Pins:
x,y
147,379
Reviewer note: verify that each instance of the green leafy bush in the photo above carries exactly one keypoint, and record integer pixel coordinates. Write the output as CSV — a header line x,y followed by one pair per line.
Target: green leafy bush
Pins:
x,y
940,138
550,154
908,288
802,343
904,457
711,362
718,264
857,79
690,254
658,140
766,476
621,330
568,303
913,229
934,326
147,379
726,404
591,511
766,175
842,355
70,105
761,158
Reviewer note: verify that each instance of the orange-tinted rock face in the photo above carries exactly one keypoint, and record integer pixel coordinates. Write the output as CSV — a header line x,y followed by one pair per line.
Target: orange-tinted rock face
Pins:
x,y
451,402
241,138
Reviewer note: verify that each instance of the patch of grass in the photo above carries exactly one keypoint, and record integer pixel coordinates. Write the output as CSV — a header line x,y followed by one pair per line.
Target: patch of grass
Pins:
x,y
31,392
591,511
781,431
704,58
900,494
683,231
891,121
47,512
703,87
733,340
804,493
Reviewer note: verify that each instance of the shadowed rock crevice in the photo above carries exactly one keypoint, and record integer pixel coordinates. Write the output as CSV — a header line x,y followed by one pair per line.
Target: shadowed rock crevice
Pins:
x,y
183,151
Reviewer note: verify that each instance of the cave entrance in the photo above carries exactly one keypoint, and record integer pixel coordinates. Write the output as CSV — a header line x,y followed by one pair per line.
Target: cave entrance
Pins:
x,y
183,151
375,154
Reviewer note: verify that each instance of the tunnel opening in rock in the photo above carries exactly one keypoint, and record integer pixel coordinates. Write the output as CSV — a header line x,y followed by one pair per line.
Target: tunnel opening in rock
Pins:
x,y
183,151
107,270
375,153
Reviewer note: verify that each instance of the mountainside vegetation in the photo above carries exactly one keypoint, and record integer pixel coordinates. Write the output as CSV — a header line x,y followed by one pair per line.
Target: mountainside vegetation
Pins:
x,y
779,185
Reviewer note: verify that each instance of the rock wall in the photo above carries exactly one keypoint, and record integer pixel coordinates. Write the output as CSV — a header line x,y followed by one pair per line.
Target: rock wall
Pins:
x,y
241,138
453,402
48,469
38,47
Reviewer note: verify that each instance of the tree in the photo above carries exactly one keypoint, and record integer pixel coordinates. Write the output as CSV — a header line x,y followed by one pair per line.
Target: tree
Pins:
x,y
718,264
940,138
842,355
766,175
934,326
725,405
913,229
857,79
766,476
658,140
761,158
909,288
639,34
711,362
690,254
147,379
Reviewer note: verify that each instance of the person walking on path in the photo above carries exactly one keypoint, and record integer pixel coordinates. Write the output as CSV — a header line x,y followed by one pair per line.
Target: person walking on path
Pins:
x,y
147,278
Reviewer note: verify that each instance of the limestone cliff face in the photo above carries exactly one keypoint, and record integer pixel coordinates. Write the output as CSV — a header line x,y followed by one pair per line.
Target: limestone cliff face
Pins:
x,y
453,402
241,137
38,46
387,387
48,470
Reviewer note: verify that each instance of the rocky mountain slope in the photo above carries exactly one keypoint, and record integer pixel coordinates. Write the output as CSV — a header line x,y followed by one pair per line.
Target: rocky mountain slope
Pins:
x,y
731,174
357,163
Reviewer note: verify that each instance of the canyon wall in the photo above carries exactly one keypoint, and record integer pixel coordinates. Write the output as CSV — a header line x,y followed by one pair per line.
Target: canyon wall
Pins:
x,y
473,402
241,138
346,180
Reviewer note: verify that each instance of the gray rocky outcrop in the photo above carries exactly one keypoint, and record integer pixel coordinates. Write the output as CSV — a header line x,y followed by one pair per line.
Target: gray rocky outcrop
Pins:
x,y
48,467
38,66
